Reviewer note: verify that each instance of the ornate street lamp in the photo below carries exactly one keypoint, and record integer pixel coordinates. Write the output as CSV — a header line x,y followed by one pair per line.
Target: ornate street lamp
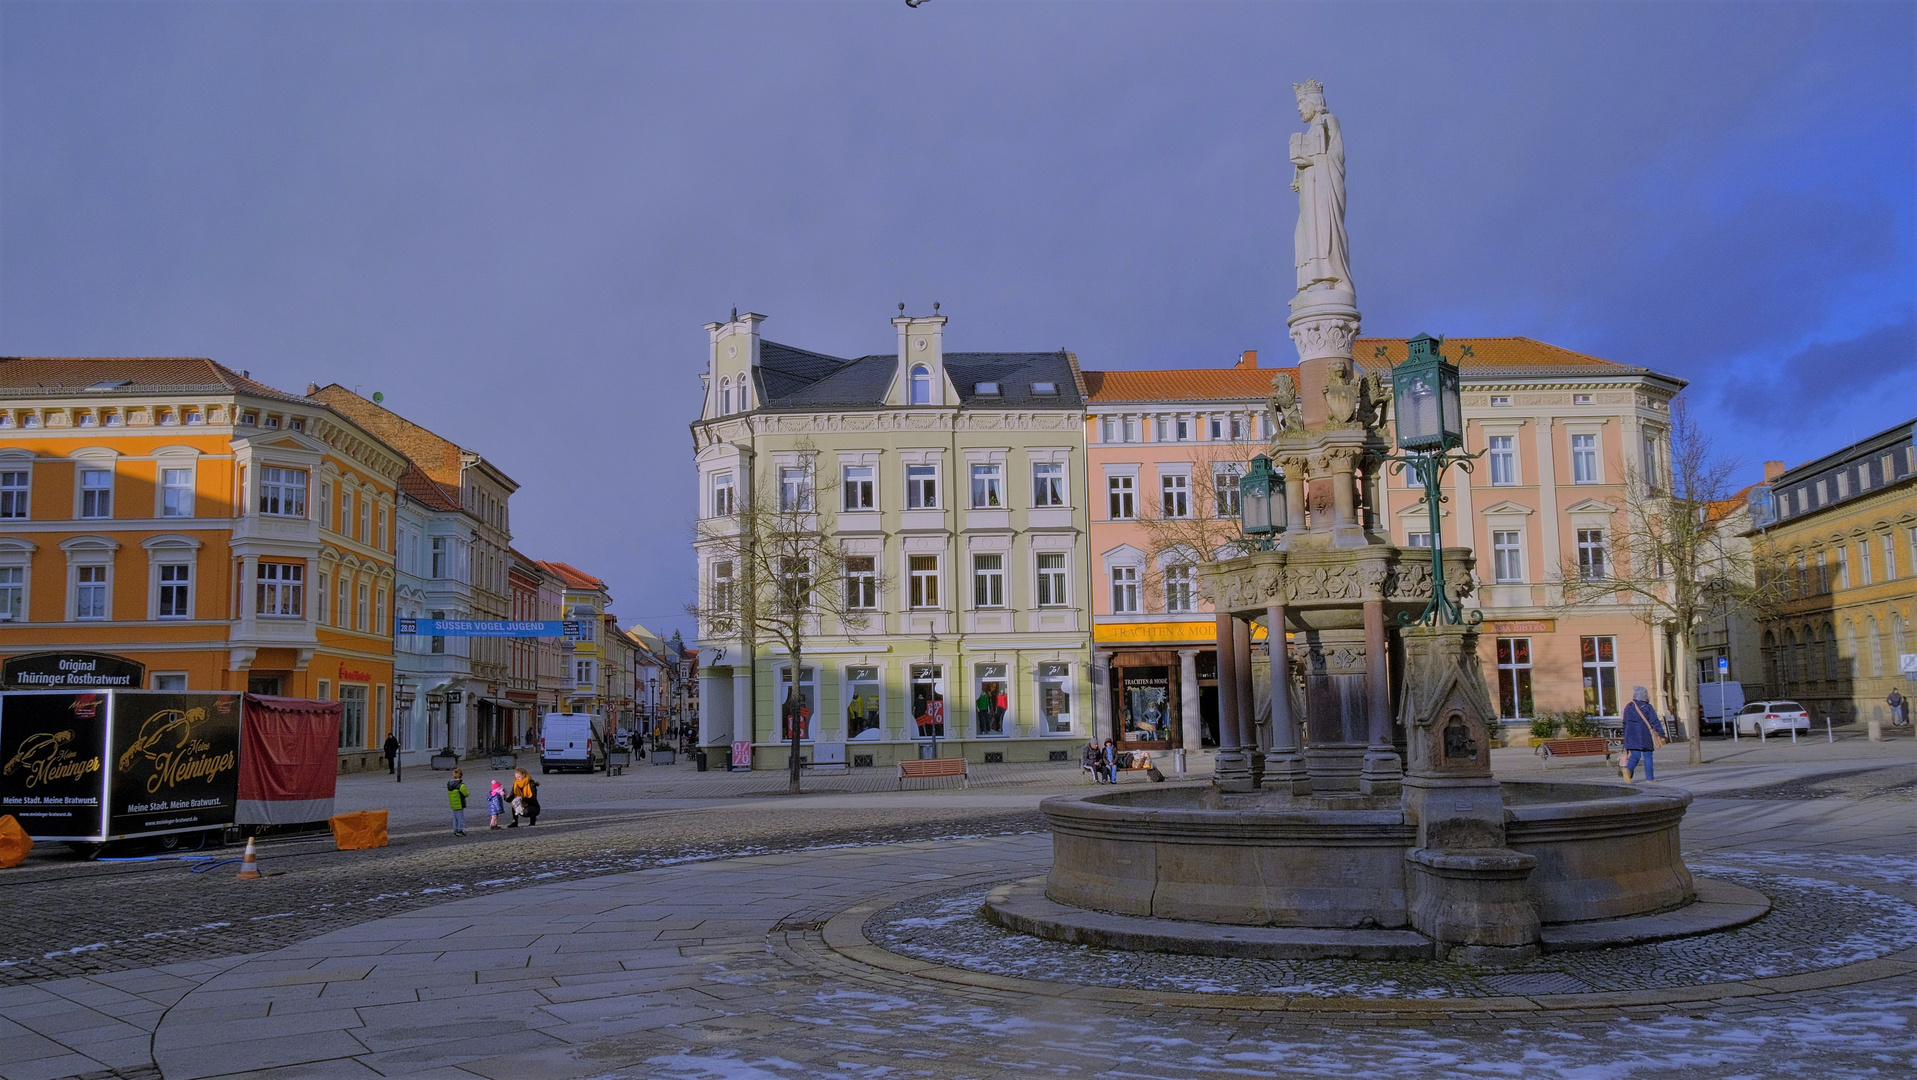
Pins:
x,y
1430,427
1261,504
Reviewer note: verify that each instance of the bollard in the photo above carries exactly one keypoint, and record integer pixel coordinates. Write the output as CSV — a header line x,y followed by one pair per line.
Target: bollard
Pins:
x,y
1793,734
1178,761
1763,733
1876,731
1828,737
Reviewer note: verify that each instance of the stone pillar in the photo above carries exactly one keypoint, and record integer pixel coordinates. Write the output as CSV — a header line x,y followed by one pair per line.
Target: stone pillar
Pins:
x,y
1293,467
1285,767
1382,771
742,703
1102,728
1247,699
1192,721
1231,771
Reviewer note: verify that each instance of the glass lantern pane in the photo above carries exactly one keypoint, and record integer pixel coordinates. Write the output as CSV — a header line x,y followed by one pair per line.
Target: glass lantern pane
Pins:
x,y
1452,411
1256,505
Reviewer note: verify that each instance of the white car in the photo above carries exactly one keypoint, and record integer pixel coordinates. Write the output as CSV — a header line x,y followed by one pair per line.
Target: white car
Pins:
x,y
1773,717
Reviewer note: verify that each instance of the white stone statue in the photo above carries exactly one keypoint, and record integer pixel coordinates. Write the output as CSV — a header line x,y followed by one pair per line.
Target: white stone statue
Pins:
x,y
1318,152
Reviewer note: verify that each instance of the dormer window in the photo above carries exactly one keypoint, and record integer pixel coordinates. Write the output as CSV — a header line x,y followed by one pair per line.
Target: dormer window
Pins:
x,y
272,422
986,389
1045,389
195,416
725,397
921,385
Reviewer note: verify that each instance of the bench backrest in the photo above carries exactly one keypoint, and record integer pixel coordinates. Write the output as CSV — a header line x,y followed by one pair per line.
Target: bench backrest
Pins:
x,y
933,767
1572,747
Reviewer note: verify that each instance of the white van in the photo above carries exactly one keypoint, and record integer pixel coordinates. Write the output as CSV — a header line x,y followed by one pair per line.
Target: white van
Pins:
x,y
1718,702
570,741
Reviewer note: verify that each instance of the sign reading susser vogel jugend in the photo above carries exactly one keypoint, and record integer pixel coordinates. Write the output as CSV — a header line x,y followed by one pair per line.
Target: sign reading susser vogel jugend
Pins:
x,y
568,628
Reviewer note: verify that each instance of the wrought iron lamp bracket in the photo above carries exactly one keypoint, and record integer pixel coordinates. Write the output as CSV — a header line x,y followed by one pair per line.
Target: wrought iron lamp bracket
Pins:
x,y
1428,468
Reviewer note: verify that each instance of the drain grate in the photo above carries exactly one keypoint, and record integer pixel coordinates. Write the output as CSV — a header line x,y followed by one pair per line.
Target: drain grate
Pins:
x,y
1541,982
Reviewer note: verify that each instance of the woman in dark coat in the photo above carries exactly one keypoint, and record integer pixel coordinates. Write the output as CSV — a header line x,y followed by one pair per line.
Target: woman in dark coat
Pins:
x,y
1643,733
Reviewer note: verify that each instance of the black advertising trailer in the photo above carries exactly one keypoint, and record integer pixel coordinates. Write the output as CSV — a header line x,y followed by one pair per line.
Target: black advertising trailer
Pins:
x,y
94,767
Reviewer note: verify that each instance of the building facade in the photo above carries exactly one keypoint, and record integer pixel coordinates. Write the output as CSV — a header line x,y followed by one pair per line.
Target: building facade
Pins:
x,y
1842,530
534,664
584,675
435,569
206,530
953,485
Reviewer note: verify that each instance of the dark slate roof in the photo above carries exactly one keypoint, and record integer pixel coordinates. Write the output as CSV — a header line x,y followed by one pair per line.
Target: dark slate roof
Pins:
x,y
797,380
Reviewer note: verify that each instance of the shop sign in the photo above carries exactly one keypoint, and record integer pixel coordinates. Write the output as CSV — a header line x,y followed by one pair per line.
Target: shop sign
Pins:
x,y
175,761
347,674
1527,626
71,671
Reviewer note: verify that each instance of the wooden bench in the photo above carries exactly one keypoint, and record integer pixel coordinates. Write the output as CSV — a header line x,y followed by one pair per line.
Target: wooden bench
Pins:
x,y
1553,749
929,768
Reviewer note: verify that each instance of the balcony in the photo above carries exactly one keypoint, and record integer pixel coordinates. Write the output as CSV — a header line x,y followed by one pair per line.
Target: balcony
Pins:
x,y
287,530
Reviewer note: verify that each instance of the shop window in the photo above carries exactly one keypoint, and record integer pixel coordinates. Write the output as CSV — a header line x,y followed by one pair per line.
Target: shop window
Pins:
x,y
928,701
1145,704
352,719
796,705
990,705
1600,675
1055,697
1514,678
864,713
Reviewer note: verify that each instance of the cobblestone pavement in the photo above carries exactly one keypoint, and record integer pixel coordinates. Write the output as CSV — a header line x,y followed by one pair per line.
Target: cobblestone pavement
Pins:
x,y
742,968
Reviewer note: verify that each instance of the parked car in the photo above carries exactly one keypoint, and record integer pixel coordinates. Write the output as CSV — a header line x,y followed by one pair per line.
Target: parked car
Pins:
x,y
1718,702
1773,717
570,741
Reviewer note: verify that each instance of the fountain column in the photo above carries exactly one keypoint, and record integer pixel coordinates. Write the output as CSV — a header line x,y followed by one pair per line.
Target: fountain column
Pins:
x,y
1247,700
1232,769
1383,772
1285,768
1191,723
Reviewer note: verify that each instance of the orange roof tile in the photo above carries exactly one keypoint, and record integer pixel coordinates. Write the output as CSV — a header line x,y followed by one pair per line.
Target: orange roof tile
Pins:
x,y
578,579
414,483
1183,384
23,376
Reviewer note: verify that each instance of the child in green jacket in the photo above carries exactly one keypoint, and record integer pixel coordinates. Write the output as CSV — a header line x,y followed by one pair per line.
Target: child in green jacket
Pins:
x,y
456,796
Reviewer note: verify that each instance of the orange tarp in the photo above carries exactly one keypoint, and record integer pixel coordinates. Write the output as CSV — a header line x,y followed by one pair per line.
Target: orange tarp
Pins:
x,y
14,843
360,829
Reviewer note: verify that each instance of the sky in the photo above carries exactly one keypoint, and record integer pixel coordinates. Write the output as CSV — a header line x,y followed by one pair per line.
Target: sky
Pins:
x,y
513,219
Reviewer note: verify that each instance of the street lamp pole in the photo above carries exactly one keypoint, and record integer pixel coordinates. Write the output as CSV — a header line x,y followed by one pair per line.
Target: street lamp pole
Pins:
x,y
1430,428
932,670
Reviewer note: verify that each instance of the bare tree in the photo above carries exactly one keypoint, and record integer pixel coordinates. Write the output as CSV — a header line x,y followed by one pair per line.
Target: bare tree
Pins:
x,y
775,577
1674,555
1198,525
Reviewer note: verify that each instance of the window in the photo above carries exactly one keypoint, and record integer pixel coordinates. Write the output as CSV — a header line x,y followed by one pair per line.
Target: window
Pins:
x,y
277,591
928,722
1650,460
921,487
1055,697
365,533
725,397
168,682
322,594
990,706
1600,676
864,699
1514,678
1224,484
1500,401
87,419
1843,566
1823,573
1237,428
1217,429
923,589
1863,562
442,556
379,538
439,641
1045,389
1051,579
861,582
582,673
352,717
1591,554
1178,588
724,501
795,490
986,389
1048,484
1120,490
1417,540
176,492
1580,399
796,708
13,494
1504,460
361,612
1584,459
1181,429
921,385
1107,430
283,492
176,591
195,416
795,582
987,487
13,593
860,481
722,585
1175,492
89,592
1124,590
1890,557
326,505
988,581
96,493
1507,562
1130,426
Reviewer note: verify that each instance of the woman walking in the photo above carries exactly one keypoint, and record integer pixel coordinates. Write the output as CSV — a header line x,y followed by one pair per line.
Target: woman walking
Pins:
x,y
1643,734
495,804
456,797
522,794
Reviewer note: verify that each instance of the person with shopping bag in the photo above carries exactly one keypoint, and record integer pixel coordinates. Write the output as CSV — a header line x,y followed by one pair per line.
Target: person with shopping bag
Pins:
x,y
1643,734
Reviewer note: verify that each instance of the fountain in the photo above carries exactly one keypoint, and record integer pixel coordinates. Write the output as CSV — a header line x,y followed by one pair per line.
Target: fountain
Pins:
x,y
1377,830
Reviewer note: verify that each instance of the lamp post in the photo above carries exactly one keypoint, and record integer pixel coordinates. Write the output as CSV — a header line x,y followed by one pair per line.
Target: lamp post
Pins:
x,y
1430,428
932,671
1261,505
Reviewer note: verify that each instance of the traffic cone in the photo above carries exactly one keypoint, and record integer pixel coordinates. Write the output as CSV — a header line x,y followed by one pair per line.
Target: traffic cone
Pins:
x,y
250,866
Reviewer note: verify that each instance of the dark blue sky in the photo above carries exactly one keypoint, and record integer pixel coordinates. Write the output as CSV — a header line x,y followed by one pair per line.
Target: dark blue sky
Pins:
x,y
513,218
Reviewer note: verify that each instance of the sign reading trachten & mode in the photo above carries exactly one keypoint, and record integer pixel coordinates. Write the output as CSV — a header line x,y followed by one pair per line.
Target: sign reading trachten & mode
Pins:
x,y
71,671
486,628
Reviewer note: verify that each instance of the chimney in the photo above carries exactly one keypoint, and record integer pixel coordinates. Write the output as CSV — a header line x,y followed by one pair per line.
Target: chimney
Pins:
x,y
312,388
1248,361
1773,470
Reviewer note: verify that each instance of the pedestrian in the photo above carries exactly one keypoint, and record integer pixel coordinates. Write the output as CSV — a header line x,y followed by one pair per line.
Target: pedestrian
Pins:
x,y
1092,760
1898,706
392,752
532,801
1643,734
521,791
495,804
456,797
1109,757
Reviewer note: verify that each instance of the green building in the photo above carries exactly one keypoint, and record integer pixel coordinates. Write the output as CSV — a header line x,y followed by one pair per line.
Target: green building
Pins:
x,y
952,483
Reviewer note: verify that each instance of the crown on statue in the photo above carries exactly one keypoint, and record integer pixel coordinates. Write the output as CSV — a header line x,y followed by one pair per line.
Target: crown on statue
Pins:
x,y
1308,88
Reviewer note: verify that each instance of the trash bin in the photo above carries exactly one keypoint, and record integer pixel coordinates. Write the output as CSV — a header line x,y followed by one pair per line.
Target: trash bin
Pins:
x,y
699,760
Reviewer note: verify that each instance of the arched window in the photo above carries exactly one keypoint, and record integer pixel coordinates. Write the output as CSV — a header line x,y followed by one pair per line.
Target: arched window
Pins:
x,y
921,385
1876,646
1896,635
1773,676
725,397
1793,660
1849,665
1831,668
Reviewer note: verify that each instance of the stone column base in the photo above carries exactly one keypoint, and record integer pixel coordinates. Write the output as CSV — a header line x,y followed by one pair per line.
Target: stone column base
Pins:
x,y
1231,770
1472,903
1383,774
1286,774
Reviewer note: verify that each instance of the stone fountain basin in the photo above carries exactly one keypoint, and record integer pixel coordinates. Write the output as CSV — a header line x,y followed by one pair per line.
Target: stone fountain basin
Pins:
x,y
1191,853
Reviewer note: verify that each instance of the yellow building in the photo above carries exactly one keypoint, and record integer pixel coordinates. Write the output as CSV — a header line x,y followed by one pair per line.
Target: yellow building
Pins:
x,y
1843,531
169,523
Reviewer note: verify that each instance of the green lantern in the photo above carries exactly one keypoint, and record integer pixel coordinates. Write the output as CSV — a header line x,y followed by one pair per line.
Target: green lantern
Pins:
x,y
1425,391
1261,500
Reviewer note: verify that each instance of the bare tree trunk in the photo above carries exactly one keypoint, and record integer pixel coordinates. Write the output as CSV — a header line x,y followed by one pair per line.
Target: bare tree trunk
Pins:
x,y
1687,706
797,722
